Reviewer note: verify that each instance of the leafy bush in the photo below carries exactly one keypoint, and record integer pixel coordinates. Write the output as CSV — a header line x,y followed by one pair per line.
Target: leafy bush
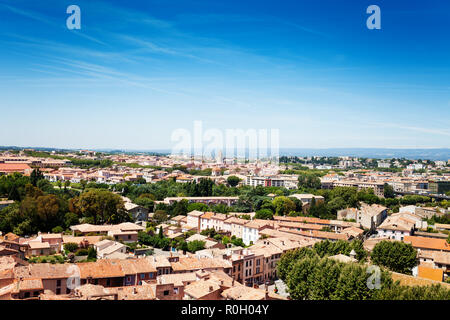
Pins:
x,y
70,247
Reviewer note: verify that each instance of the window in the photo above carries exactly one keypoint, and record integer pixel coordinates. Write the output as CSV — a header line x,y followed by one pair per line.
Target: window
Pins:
x,y
129,237
58,291
27,295
166,292
108,282
58,283
67,290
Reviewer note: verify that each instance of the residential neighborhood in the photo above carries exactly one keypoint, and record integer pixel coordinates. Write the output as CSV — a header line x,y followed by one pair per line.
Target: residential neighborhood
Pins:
x,y
129,238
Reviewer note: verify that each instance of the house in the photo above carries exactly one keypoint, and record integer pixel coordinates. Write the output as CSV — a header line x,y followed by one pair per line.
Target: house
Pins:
x,y
13,247
138,271
7,168
193,219
428,243
106,248
124,236
251,230
396,227
212,220
371,216
192,264
55,240
438,259
235,226
37,248
203,290
137,212
105,272
178,220
22,289
53,276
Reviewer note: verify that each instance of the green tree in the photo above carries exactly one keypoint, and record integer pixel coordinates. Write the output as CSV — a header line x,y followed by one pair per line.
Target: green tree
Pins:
x,y
35,176
160,216
283,205
195,245
265,214
70,246
100,206
395,255
233,181
388,191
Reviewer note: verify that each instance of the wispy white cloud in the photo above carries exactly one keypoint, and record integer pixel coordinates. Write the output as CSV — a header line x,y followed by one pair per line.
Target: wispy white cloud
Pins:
x,y
49,21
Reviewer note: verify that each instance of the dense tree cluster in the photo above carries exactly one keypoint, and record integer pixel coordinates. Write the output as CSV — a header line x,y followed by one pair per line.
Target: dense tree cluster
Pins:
x,y
310,277
98,206
395,255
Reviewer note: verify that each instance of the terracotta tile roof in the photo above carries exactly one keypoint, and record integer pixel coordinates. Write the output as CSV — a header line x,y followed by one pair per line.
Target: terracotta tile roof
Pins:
x,y
144,292
14,167
199,289
192,263
90,239
101,269
318,234
427,243
27,285
207,215
38,245
177,278
195,213
43,271
248,293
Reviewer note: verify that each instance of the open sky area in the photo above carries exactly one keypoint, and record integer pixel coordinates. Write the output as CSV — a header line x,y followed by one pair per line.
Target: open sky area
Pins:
x,y
138,70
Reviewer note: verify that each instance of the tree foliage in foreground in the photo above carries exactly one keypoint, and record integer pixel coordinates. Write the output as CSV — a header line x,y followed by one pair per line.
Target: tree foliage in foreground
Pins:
x,y
310,277
395,255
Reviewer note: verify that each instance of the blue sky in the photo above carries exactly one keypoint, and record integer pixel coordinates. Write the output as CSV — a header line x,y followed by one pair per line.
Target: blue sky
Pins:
x,y
137,70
